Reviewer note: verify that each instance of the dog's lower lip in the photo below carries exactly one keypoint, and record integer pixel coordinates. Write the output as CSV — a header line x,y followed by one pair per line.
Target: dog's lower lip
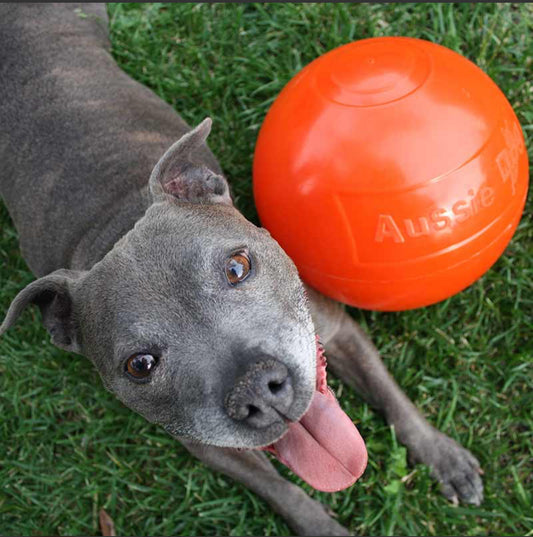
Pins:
x,y
264,445
286,416
287,421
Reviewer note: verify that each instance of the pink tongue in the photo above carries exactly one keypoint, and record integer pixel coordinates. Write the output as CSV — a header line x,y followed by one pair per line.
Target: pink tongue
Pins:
x,y
324,448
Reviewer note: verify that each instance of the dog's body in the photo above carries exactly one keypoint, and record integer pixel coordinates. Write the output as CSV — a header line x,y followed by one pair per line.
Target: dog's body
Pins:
x,y
123,260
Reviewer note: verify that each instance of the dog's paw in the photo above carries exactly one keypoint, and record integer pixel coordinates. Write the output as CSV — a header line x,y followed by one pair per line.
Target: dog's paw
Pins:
x,y
456,469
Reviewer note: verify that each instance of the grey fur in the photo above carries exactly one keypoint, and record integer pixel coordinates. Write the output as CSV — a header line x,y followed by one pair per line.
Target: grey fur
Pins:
x,y
130,250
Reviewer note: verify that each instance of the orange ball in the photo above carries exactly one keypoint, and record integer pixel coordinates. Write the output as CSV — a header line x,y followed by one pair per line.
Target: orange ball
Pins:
x,y
393,171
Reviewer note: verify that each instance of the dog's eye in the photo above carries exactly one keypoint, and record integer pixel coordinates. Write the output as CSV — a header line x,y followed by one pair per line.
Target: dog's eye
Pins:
x,y
238,267
140,366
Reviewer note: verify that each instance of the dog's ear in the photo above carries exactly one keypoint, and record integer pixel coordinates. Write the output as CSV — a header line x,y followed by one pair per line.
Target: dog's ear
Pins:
x,y
53,294
178,176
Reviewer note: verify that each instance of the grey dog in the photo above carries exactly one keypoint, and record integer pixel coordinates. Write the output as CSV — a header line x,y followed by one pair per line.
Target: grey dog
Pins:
x,y
194,317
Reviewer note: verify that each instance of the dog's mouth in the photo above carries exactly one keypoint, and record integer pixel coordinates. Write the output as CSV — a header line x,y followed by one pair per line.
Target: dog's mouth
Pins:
x,y
324,447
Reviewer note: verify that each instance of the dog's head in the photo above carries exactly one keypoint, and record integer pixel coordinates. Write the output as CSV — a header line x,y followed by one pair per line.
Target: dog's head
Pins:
x,y
197,320
191,309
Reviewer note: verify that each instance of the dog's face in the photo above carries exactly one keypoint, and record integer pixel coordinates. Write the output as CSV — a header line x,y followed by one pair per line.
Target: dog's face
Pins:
x,y
187,301
183,306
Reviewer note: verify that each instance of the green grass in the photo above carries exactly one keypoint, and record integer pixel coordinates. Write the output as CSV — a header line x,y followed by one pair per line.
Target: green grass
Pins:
x,y
69,448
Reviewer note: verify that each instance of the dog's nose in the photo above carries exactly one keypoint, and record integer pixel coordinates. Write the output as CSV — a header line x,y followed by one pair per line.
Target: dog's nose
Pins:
x,y
261,394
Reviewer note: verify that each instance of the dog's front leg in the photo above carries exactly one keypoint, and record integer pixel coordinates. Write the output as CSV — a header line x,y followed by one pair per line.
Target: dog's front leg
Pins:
x,y
353,358
253,469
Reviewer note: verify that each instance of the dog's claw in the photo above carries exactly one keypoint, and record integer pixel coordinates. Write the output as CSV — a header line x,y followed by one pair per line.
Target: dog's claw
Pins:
x,y
449,493
456,469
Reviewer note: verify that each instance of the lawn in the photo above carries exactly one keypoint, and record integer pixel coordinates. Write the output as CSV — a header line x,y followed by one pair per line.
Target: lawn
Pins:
x,y
69,448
